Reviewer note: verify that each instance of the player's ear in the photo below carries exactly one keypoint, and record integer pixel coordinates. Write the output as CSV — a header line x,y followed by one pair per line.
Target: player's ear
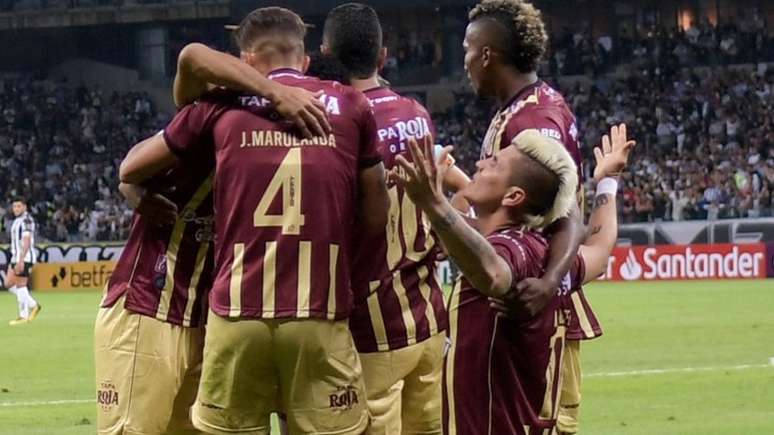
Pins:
x,y
514,197
486,56
382,59
305,67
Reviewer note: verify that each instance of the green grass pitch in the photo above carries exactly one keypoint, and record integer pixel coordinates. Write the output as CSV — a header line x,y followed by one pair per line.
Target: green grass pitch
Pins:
x,y
676,358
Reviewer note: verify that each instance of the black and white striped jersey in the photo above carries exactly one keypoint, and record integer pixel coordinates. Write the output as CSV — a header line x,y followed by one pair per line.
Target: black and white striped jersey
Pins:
x,y
22,225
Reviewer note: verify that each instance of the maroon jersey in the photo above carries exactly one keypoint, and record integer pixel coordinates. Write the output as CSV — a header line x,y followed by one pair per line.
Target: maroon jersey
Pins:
x,y
502,375
166,272
540,107
284,206
398,301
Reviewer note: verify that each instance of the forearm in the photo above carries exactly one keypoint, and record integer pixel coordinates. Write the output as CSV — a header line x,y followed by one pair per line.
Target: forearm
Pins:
x,y
603,224
199,65
145,160
603,234
568,233
470,251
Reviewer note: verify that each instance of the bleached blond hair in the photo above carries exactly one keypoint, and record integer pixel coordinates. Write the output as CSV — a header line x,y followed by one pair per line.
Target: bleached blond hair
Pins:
x,y
553,156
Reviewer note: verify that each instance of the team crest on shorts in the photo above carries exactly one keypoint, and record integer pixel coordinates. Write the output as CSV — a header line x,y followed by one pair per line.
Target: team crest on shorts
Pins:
x,y
107,396
344,398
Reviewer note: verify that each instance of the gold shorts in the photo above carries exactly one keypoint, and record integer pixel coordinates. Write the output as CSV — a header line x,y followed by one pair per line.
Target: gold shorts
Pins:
x,y
307,369
147,373
404,388
570,397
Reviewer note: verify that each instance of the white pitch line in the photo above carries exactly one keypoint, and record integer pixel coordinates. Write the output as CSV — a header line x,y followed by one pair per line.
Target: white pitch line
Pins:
x,y
44,403
677,370
590,375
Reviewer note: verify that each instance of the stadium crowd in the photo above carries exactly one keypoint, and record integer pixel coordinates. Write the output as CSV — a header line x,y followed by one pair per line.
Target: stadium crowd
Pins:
x,y
60,147
705,140
705,148
744,40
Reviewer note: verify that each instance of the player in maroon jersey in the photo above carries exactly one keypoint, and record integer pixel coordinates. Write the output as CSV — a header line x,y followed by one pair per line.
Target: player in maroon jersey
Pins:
x,y
504,42
399,320
165,272
502,373
277,335
149,332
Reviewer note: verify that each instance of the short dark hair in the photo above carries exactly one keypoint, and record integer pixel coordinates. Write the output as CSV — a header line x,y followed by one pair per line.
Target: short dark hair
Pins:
x,y
273,20
354,35
327,67
524,38
20,199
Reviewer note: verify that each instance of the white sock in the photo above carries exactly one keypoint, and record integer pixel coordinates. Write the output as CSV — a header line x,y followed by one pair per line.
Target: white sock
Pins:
x,y
24,311
31,303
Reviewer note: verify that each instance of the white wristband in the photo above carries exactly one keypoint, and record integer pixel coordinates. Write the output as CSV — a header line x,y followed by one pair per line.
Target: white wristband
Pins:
x,y
607,186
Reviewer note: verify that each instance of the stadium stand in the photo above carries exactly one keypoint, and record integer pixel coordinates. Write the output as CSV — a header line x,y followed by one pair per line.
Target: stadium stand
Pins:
x,y
744,41
704,127
60,147
698,158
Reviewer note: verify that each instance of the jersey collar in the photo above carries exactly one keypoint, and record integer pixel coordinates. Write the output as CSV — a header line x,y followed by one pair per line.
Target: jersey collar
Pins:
x,y
374,89
522,92
279,71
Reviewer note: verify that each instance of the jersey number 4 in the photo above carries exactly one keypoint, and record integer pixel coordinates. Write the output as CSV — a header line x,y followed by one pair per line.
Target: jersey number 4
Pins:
x,y
287,178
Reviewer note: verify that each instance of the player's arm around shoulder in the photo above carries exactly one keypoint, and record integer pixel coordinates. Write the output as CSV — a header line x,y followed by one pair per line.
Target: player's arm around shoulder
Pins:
x,y
200,68
146,159
611,159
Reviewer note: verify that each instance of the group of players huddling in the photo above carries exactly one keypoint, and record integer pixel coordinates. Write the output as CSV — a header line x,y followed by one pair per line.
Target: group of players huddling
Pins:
x,y
301,220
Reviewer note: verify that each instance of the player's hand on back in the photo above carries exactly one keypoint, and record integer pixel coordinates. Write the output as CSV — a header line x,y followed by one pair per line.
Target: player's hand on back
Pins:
x,y
154,206
613,155
531,297
303,108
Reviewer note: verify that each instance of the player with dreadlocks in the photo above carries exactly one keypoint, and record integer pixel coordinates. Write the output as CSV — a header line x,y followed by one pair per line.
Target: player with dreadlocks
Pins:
x,y
504,43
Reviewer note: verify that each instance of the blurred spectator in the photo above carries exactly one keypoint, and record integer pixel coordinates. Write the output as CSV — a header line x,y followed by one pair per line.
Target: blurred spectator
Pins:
x,y
60,147
697,157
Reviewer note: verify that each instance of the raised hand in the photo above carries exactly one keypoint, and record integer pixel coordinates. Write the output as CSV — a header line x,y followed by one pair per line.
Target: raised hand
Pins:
x,y
613,155
422,178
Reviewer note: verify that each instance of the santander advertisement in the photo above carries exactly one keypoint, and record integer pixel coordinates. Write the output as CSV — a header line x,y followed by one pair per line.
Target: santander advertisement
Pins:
x,y
686,262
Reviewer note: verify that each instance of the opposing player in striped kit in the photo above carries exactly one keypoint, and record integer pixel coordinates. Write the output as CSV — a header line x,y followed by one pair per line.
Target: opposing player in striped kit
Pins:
x,y
277,335
502,373
23,258
149,333
504,43
399,321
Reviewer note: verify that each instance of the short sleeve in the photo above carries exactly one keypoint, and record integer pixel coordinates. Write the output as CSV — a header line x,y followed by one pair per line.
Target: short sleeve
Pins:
x,y
190,131
27,225
369,137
